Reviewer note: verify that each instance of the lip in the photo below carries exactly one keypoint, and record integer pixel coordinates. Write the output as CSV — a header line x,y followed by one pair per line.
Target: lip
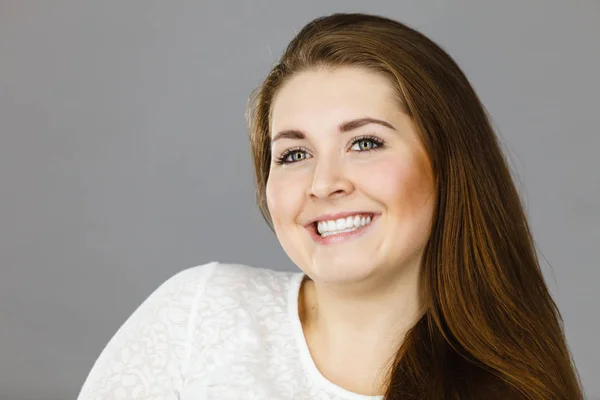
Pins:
x,y
328,217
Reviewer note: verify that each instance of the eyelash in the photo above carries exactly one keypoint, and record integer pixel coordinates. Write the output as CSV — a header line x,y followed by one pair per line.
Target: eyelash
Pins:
x,y
378,144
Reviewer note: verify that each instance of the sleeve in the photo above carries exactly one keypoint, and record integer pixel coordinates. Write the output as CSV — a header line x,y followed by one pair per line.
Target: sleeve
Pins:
x,y
147,356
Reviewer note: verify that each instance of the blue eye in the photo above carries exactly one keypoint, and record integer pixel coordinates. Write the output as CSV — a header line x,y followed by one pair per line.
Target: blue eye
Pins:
x,y
291,156
360,144
366,143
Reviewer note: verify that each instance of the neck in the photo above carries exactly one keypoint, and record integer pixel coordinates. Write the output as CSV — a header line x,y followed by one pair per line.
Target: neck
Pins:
x,y
364,321
391,306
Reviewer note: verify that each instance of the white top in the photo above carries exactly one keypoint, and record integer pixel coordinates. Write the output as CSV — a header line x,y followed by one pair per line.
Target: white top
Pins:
x,y
215,331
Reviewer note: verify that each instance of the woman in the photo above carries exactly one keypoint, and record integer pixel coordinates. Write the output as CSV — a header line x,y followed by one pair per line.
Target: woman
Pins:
x,y
378,171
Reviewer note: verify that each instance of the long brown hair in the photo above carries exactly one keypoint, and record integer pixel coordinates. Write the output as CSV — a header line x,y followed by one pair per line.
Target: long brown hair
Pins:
x,y
491,330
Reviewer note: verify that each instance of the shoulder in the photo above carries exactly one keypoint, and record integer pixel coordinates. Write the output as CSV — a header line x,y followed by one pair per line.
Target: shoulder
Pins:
x,y
244,274
220,281
158,329
216,273
190,278
181,288
233,301
247,282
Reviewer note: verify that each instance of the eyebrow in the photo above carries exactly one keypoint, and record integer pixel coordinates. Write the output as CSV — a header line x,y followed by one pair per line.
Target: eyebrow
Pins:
x,y
346,126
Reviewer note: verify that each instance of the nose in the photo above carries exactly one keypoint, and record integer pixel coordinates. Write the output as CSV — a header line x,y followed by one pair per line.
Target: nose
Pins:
x,y
330,180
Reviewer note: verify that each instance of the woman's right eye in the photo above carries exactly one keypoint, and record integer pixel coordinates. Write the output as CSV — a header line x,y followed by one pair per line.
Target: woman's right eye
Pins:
x,y
291,156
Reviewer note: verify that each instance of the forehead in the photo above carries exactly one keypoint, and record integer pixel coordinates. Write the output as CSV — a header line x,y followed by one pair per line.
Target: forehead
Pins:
x,y
320,96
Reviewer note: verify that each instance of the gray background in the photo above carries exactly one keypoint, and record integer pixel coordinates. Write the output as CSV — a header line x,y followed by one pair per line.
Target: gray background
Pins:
x,y
124,156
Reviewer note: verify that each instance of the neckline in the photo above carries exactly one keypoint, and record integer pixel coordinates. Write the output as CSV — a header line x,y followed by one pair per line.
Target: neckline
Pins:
x,y
305,356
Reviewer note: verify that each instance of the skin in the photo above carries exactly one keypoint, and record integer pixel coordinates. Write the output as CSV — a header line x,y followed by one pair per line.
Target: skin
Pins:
x,y
364,293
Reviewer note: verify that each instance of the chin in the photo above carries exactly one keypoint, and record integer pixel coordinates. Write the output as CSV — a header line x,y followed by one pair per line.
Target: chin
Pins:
x,y
339,271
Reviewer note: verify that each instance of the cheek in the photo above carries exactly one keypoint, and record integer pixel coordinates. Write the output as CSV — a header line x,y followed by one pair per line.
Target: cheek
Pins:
x,y
400,182
283,197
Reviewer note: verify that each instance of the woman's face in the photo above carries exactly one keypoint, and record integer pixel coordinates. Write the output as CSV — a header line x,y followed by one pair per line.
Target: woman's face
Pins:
x,y
344,153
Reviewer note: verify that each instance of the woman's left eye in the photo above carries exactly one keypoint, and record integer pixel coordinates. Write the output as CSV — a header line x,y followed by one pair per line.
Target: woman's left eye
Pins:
x,y
366,144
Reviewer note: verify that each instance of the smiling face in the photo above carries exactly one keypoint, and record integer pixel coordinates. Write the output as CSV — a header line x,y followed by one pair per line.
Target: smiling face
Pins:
x,y
341,144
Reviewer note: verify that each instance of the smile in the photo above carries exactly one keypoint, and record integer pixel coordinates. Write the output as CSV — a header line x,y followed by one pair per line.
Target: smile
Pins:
x,y
343,225
334,231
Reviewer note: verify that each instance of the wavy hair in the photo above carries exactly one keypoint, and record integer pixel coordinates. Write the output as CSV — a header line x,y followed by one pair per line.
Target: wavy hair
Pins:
x,y
491,329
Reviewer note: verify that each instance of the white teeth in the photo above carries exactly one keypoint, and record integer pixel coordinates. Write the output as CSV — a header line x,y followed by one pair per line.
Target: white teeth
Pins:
x,y
331,225
351,223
